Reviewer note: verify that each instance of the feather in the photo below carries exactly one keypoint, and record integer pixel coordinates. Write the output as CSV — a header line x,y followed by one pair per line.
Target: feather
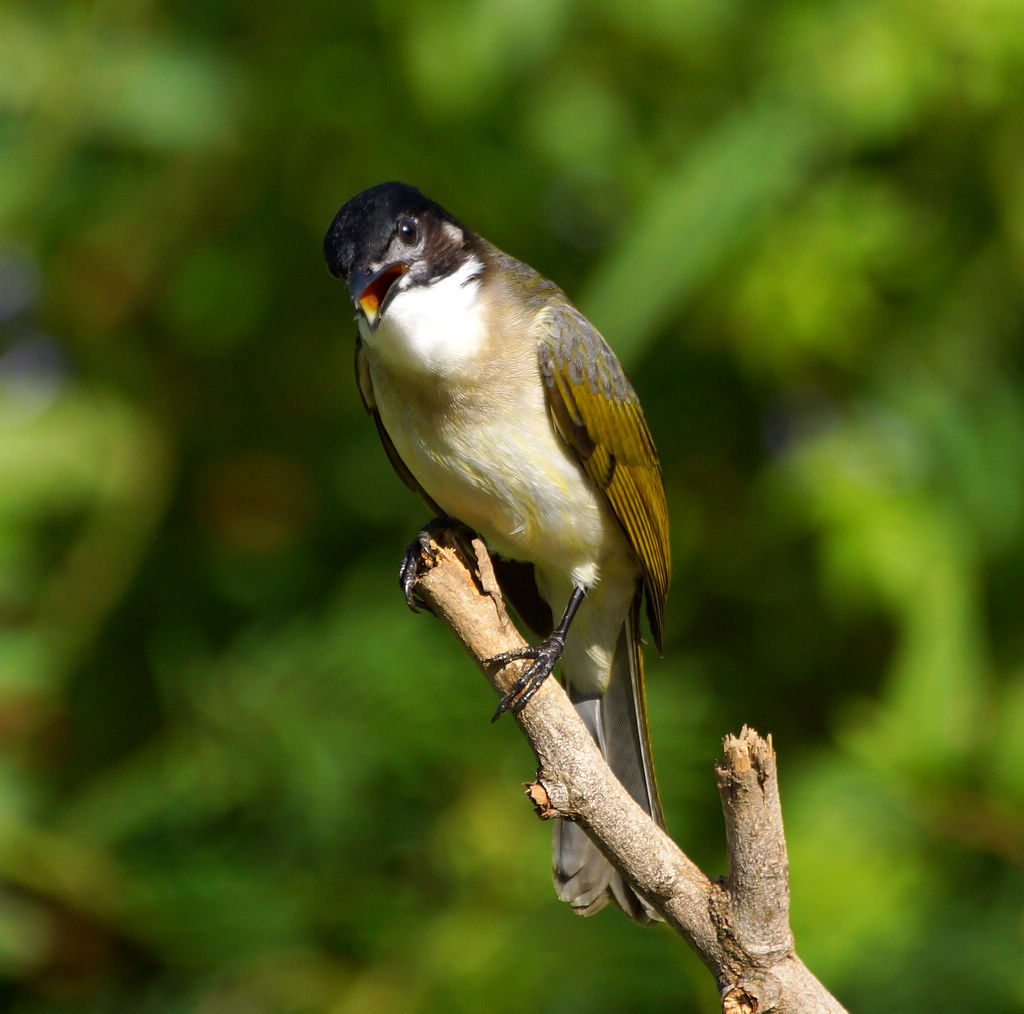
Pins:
x,y
598,414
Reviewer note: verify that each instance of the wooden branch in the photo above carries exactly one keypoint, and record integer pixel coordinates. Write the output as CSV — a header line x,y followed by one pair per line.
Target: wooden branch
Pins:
x,y
738,925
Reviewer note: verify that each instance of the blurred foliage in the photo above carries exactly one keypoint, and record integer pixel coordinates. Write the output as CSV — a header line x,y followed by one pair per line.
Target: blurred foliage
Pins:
x,y
235,773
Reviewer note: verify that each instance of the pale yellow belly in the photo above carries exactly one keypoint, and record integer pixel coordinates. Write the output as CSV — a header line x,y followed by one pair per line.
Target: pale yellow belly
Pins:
x,y
508,476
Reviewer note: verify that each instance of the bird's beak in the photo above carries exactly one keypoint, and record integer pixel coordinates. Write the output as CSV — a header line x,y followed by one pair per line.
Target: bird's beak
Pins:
x,y
370,290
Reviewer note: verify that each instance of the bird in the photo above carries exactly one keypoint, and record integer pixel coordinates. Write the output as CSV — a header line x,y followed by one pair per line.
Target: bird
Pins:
x,y
503,407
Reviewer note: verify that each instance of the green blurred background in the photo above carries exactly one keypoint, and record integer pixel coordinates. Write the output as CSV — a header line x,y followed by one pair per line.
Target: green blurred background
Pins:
x,y
236,775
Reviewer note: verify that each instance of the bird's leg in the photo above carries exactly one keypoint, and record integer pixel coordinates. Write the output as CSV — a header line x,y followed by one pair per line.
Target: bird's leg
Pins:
x,y
420,547
545,655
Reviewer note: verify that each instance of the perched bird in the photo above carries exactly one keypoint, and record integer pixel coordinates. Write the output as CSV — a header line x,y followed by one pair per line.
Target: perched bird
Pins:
x,y
500,404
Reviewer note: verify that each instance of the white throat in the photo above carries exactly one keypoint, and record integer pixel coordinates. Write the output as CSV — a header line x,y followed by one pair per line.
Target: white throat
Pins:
x,y
435,328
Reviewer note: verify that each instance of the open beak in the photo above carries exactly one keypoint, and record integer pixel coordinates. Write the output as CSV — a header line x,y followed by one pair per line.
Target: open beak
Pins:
x,y
370,290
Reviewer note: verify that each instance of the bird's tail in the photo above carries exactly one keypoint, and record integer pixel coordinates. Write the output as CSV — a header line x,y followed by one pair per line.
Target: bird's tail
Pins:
x,y
618,722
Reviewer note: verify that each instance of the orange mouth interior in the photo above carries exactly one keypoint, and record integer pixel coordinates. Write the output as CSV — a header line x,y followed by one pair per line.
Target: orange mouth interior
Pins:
x,y
377,291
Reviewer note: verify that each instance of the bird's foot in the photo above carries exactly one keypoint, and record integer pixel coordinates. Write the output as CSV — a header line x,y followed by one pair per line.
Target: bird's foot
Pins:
x,y
544,655
419,554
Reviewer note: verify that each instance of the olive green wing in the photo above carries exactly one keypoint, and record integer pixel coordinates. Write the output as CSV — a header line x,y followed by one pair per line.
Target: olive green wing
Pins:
x,y
598,415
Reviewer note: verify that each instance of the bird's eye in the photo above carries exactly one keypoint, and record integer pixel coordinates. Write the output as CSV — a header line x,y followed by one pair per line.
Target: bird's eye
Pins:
x,y
408,233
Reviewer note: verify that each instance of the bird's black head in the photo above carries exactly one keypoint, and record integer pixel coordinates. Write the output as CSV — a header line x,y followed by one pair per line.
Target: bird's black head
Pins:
x,y
390,238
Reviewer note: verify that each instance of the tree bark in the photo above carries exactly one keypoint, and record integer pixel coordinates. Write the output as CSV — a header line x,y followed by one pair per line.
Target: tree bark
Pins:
x,y
739,924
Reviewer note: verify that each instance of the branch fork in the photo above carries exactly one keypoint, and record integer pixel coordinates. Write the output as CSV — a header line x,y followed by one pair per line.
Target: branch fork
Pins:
x,y
738,925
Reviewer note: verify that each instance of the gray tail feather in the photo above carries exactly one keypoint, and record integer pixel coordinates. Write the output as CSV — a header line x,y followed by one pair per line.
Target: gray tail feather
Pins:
x,y
618,723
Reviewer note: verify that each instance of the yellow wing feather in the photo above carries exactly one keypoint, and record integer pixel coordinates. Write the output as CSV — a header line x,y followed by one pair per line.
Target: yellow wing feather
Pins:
x,y
599,416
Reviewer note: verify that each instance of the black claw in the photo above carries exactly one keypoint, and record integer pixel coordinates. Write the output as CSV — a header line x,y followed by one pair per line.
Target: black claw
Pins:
x,y
408,569
420,547
545,656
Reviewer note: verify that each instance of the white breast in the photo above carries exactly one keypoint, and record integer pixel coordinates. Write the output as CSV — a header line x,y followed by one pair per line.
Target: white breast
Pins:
x,y
434,329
